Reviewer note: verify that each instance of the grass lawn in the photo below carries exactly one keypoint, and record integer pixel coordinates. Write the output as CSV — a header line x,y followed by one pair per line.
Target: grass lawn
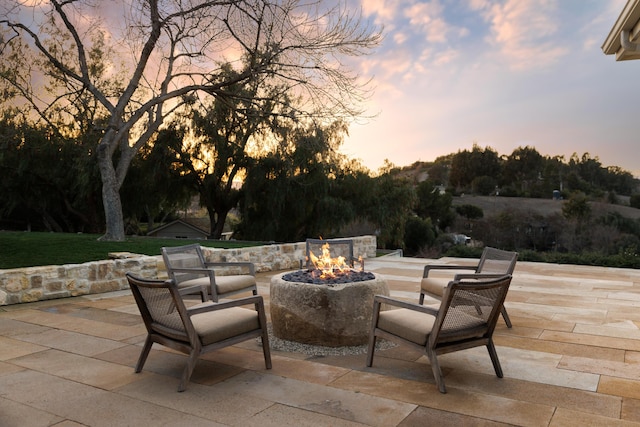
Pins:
x,y
27,249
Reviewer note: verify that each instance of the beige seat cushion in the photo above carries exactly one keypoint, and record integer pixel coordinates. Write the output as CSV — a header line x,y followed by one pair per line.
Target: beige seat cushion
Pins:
x,y
215,326
233,283
200,281
224,284
408,324
434,286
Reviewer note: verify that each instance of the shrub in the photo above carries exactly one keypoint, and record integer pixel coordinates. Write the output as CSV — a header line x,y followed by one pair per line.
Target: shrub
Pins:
x,y
418,233
470,211
464,251
484,185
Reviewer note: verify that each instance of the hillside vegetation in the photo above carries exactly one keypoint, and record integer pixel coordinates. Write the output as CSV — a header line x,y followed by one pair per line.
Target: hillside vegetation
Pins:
x,y
307,188
492,205
547,208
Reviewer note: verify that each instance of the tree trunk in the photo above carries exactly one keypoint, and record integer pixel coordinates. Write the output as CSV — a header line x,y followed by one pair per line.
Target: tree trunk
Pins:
x,y
216,222
110,197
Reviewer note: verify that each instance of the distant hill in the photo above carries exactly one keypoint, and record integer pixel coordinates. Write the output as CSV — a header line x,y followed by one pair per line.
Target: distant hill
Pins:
x,y
492,205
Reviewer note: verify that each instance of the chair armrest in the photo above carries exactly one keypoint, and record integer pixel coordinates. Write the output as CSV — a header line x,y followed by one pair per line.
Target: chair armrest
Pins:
x,y
404,304
357,261
255,299
196,289
204,271
479,276
430,267
249,265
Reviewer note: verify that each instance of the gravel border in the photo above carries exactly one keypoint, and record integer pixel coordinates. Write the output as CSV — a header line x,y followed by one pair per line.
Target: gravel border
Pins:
x,y
278,344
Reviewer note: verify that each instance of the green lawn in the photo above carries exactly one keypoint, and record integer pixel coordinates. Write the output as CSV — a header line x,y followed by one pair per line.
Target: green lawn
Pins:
x,y
27,249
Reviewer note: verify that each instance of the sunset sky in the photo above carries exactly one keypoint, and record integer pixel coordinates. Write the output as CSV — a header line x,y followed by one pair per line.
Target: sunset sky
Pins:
x,y
498,73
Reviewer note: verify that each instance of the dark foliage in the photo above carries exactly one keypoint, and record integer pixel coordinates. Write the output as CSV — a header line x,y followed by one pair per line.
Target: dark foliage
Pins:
x,y
418,234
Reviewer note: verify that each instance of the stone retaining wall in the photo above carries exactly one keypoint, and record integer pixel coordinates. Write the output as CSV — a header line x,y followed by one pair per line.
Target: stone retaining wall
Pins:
x,y
31,284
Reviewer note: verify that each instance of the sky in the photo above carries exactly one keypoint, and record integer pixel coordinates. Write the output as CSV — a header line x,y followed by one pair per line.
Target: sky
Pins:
x,y
497,73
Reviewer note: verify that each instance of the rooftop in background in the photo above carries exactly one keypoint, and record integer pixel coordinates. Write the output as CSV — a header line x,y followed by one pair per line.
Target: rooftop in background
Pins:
x,y
624,38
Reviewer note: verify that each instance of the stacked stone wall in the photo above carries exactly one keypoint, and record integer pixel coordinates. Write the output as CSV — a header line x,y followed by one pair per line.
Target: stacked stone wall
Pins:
x,y
23,285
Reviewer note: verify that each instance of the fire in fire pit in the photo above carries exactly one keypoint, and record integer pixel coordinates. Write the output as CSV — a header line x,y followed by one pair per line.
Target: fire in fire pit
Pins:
x,y
328,270
334,315
314,277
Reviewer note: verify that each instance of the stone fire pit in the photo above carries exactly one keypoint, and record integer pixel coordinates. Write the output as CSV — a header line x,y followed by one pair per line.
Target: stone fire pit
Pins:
x,y
331,315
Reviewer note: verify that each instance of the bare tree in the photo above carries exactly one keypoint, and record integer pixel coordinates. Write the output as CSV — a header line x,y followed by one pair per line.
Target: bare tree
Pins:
x,y
172,52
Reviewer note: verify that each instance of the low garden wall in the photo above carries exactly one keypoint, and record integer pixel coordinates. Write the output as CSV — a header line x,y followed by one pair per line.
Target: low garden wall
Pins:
x,y
22,285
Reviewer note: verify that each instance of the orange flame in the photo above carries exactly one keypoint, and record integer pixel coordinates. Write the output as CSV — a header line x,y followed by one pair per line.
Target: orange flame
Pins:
x,y
328,266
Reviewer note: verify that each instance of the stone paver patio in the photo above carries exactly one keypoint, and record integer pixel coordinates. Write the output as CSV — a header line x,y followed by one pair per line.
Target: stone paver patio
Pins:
x,y
572,358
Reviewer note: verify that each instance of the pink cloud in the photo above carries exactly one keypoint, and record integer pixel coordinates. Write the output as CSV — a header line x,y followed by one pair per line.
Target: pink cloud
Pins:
x,y
522,29
385,10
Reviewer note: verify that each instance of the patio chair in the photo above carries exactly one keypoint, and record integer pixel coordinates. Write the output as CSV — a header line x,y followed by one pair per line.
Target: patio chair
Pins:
x,y
337,248
196,330
493,263
187,266
466,318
